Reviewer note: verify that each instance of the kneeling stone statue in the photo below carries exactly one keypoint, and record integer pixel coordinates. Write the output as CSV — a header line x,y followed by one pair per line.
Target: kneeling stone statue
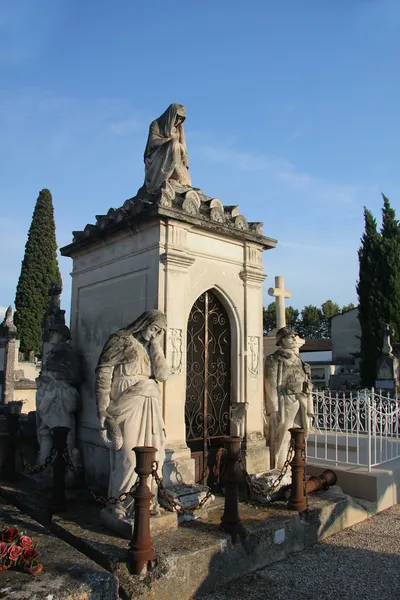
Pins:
x,y
287,399
129,406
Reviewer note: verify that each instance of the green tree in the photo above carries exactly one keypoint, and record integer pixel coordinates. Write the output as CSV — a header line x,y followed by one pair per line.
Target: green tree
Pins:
x,y
311,325
39,269
269,317
369,299
329,309
347,307
389,272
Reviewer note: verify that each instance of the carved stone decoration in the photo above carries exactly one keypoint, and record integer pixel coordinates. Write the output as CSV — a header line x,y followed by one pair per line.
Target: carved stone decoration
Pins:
x,y
253,357
257,228
121,215
241,223
217,215
137,207
112,214
288,399
215,203
190,207
102,223
194,196
127,205
130,367
175,336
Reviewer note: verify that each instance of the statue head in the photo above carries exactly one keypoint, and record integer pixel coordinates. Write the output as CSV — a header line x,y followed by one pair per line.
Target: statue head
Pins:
x,y
59,333
288,339
174,116
149,325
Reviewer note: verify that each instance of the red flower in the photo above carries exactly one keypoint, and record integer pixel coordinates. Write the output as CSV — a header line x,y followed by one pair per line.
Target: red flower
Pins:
x,y
25,541
3,549
10,534
14,552
29,555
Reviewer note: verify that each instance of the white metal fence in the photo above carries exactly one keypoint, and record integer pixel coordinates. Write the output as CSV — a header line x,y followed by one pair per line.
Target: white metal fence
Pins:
x,y
355,428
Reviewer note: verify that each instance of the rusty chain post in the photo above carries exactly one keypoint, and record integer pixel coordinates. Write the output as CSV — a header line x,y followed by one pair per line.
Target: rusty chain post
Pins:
x,y
140,548
320,482
59,501
9,469
298,500
230,520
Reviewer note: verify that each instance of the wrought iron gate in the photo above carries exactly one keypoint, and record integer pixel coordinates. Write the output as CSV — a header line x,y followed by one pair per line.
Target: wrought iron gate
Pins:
x,y
208,382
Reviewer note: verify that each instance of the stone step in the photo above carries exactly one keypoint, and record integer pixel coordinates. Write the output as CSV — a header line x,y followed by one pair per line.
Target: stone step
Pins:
x,y
66,574
197,556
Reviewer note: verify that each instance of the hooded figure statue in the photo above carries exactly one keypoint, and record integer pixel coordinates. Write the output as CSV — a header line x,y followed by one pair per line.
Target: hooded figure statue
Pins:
x,y
165,156
128,399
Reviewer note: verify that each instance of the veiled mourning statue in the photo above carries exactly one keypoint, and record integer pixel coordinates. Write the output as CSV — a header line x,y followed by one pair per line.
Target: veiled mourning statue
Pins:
x,y
128,398
287,400
57,397
165,155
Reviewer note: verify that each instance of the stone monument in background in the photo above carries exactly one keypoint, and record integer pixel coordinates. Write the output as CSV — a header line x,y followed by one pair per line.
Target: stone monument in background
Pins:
x,y
57,396
174,249
388,366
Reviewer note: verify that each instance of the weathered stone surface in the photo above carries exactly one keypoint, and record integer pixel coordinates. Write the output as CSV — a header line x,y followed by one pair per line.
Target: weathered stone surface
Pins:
x,y
67,574
198,557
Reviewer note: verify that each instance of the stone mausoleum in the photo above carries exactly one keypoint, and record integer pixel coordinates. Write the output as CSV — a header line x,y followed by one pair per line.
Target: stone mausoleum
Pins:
x,y
200,262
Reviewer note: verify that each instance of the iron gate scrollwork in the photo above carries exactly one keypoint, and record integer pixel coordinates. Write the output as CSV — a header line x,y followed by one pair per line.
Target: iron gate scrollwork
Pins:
x,y
208,380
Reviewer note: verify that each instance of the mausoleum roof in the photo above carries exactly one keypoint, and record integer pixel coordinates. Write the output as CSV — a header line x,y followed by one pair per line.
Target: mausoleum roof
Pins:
x,y
190,205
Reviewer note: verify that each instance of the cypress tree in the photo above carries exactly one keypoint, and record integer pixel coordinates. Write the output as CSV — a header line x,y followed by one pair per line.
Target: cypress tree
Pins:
x,y
390,270
369,298
39,269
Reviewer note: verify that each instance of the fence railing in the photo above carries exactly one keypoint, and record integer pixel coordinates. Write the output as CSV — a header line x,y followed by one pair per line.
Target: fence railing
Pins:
x,y
355,428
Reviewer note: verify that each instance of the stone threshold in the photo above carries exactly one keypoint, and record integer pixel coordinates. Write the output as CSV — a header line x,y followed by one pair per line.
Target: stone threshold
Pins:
x,y
198,557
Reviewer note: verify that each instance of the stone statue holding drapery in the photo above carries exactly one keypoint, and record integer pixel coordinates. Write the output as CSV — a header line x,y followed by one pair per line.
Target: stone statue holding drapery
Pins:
x,y
165,155
129,405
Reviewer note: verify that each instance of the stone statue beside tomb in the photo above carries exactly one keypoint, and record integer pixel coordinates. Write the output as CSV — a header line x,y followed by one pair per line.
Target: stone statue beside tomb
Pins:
x,y
57,397
165,155
288,400
130,366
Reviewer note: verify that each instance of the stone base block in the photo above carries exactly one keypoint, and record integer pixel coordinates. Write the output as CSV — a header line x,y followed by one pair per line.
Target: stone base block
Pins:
x,y
263,482
159,523
186,496
257,455
179,467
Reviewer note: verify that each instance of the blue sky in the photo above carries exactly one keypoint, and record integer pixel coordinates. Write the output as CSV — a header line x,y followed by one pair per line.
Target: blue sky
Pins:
x,y
293,114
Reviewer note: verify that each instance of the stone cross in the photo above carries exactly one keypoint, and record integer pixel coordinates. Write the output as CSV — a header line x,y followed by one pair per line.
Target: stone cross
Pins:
x,y
280,294
54,293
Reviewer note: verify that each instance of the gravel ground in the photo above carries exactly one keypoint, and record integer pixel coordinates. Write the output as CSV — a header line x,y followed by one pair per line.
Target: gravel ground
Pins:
x,y
360,563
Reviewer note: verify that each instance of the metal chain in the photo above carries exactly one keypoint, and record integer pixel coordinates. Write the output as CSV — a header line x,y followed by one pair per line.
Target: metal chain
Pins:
x,y
29,467
111,500
174,504
68,461
259,489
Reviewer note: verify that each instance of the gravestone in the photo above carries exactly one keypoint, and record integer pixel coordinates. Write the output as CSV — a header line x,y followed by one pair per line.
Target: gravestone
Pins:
x,y
175,249
387,374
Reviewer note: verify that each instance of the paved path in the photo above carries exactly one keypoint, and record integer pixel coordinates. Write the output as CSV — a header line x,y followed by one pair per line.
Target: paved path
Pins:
x,y
360,563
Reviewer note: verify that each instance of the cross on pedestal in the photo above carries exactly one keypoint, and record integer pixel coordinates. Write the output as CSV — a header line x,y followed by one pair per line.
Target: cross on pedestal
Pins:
x,y
280,294
54,293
